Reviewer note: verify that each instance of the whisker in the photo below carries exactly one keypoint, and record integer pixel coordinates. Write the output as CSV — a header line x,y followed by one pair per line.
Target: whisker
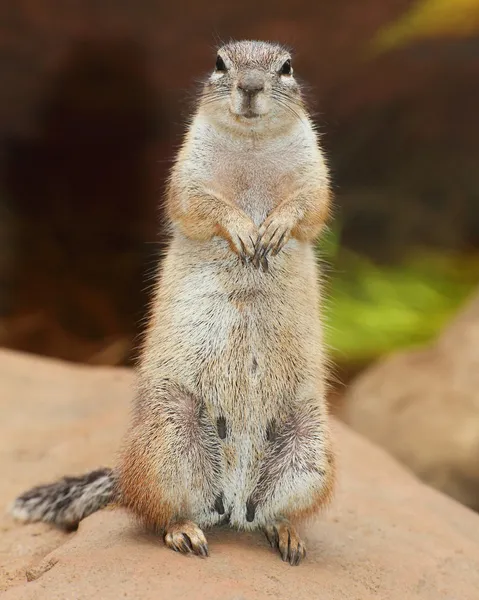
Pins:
x,y
287,105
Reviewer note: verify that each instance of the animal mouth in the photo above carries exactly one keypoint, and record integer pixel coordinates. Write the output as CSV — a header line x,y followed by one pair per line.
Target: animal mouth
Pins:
x,y
246,114
250,114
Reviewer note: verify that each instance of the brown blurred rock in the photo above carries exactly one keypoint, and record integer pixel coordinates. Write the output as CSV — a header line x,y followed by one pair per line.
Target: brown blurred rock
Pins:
x,y
386,535
423,407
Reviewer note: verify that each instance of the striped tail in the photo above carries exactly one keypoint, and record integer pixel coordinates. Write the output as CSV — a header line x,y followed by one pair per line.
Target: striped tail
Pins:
x,y
67,501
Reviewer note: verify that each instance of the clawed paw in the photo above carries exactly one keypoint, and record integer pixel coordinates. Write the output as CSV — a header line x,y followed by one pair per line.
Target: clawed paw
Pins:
x,y
241,233
283,537
257,246
186,537
274,234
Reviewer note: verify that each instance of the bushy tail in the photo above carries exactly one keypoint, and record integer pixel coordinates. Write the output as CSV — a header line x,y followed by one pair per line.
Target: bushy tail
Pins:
x,y
67,501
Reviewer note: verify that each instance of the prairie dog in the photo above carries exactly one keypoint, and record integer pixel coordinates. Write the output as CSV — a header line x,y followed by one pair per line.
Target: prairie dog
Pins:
x,y
230,420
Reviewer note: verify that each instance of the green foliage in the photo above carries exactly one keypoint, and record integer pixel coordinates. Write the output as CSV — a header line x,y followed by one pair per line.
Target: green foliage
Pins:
x,y
430,19
372,310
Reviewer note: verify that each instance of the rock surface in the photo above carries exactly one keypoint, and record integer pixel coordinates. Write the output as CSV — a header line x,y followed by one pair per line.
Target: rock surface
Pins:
x,y
423,407
386,536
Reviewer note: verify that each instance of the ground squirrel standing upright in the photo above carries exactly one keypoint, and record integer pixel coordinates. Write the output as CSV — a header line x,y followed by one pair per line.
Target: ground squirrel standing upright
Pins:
x,y
230,420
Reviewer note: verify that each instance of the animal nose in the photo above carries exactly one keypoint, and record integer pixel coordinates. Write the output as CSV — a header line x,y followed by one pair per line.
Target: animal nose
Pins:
x,y
251,83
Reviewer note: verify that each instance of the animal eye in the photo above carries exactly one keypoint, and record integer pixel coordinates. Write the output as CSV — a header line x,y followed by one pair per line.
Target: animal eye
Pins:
x,y
220,64
286,68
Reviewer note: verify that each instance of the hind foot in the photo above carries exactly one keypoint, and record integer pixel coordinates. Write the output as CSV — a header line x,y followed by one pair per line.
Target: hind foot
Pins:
x,y
186,537
283,537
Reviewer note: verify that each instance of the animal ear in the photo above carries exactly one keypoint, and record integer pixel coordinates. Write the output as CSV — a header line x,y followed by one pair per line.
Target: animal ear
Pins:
x,y
286,68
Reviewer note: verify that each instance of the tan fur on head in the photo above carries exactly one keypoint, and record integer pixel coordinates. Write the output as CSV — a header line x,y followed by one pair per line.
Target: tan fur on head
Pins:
x,y
253,82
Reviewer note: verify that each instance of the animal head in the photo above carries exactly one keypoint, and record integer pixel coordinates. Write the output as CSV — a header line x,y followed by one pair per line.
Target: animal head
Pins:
x,y
253,85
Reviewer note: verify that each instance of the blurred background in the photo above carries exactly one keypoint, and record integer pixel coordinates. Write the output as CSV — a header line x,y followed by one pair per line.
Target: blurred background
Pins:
x,y
92,107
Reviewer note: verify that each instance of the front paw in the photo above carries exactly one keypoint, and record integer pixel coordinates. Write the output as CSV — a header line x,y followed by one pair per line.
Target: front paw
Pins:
x,y
274,234
241,233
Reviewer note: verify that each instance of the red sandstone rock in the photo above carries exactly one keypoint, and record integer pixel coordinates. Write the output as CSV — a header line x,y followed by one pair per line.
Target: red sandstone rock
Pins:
x,y
386,536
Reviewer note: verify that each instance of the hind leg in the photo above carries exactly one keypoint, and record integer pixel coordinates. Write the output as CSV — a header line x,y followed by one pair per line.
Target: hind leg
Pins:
x,y
296,477
171,468
186,537
283,537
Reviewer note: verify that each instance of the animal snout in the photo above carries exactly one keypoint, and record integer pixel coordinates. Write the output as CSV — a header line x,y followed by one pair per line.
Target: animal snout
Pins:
x,y
251,84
